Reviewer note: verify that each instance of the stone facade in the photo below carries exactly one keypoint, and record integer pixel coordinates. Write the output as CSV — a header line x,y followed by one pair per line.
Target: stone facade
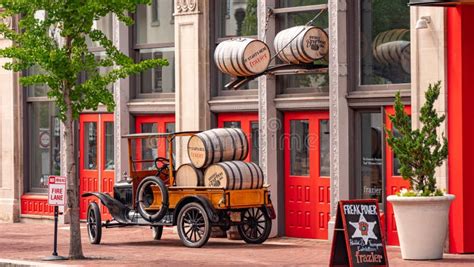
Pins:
x,y
11,160
196,103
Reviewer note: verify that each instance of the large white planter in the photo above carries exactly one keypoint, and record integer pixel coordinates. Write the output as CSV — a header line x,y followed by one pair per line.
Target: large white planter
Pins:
x,y
422,224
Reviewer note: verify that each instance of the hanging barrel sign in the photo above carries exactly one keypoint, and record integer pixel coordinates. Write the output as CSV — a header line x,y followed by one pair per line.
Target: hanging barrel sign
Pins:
x,y
242,57
188,175
217,145
234,175
302,44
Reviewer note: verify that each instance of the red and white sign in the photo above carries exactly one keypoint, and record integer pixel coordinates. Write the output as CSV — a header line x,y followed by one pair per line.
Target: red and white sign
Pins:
x,y
56,190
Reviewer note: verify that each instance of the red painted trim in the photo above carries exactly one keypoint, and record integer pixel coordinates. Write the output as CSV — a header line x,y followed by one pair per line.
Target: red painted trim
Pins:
x,y
460,62
393,183
35,204
245,120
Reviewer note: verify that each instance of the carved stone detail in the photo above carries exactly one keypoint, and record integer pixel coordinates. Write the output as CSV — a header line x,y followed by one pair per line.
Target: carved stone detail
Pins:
x,y
184,6
262,92
337,70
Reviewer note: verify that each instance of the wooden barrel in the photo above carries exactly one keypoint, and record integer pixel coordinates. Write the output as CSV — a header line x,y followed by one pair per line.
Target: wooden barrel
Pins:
x,y
311,43
188,175
394,53
242,57
217,145
234,175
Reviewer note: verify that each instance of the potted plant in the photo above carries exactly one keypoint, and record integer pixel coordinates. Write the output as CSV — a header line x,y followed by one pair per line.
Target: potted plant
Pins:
x,y
421,212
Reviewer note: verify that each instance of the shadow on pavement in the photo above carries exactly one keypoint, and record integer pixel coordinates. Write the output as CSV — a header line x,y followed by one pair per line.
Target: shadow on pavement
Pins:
x,y
210,244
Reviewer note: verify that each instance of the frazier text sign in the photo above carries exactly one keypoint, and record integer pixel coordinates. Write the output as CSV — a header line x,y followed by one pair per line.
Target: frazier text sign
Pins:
x,y
358,239
56,190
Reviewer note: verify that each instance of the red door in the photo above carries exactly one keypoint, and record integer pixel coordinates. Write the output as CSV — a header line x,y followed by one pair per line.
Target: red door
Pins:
x,y
248,122
153,124
394,182
96,159
307,183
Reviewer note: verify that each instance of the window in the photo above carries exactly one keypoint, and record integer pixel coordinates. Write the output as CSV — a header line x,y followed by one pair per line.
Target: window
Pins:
x,y
103,24
299,147
154,38
99,54
303,83
90,145
43,148
109,146
324,153
235,18
384,42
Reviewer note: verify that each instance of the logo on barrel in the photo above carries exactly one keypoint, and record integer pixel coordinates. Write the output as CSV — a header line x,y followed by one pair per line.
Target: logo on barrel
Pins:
x,y
196,152
260,57
215,179
316,43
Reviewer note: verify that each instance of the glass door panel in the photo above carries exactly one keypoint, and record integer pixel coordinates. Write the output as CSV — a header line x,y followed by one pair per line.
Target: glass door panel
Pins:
x,y
299,148
90,145
371,182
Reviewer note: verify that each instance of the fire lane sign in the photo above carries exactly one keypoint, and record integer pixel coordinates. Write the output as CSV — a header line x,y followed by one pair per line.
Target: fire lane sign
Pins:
x,y
56,191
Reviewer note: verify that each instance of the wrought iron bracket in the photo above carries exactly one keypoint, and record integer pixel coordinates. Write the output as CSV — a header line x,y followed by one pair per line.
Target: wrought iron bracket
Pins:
x,y
282,69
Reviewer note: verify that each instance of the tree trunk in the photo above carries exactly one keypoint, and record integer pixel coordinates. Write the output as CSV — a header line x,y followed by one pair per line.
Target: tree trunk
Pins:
x,y
75,245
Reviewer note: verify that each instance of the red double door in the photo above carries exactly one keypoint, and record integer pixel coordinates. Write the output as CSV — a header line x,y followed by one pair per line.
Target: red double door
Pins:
x,y
307,182
96,158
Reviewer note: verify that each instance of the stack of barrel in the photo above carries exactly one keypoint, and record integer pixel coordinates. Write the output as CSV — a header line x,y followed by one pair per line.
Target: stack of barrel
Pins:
x,y
217,161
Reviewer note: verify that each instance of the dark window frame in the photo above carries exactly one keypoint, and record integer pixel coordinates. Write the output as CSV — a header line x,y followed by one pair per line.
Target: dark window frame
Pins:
x,y
354,32
217,77
135,48
282,90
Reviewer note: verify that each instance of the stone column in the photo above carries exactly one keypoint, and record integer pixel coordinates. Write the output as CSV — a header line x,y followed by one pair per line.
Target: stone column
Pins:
x,y
269,123
122,96
11,134
428,65
338,108
192,69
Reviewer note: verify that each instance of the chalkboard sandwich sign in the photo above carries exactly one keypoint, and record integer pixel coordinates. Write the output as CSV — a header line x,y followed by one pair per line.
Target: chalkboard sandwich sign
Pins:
x,y
358,239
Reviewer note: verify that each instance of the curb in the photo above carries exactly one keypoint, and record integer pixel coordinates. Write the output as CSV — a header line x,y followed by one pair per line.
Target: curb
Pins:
x,y
21,263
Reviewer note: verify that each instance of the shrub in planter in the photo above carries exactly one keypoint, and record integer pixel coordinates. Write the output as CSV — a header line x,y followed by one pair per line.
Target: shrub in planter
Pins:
x,y
421,212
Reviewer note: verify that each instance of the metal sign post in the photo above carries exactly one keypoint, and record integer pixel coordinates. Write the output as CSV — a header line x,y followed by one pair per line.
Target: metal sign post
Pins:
x,y
56,198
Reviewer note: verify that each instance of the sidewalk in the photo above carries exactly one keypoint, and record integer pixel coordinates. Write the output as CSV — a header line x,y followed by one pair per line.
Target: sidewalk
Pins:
x,y
135,247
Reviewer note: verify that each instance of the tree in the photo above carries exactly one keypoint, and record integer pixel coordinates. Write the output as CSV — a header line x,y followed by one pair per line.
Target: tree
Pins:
x,y
419,150
56,43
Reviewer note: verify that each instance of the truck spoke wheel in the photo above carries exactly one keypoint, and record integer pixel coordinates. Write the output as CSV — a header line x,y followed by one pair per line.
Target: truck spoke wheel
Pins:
x,y
255,225
194,228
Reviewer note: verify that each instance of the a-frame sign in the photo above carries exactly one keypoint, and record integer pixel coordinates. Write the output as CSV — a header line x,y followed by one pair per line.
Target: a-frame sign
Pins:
x,y
358,239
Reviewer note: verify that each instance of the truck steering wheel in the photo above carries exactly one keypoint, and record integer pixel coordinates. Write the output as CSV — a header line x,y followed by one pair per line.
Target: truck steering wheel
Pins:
x,y
161,162
162,165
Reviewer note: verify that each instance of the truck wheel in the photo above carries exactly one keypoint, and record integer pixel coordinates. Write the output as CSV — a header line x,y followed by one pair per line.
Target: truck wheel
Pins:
x,y
194,227
145,199
255,225
94,223
157,232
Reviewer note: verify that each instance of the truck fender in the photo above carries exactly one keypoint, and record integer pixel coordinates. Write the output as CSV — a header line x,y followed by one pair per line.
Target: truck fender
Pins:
x,y
211,212
118,210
